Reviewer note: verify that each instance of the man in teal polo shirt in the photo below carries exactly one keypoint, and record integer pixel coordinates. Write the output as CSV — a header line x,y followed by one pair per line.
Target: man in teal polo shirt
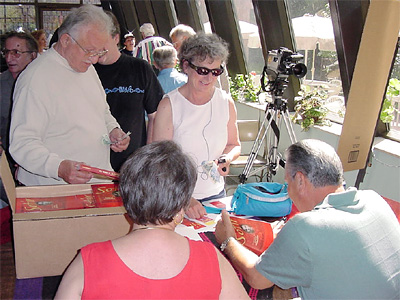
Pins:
x,y
342,244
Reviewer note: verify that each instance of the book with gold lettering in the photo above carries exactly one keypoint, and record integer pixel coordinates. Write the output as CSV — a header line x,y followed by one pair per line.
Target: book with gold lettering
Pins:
x,y
107,195
39,204
255,235
103,195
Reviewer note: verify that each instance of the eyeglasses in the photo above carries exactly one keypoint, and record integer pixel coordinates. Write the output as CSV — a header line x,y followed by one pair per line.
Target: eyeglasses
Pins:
x,y
14,52
90,53
204,71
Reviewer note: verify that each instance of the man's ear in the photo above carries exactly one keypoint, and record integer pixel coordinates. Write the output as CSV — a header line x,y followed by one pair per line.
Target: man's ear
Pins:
x,y
299,178
301,181
64,40
116,38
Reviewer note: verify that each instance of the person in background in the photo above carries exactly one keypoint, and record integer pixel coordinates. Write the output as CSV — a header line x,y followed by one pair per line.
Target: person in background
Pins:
x,y
344,244
40,36
19,50
180,33
56,127
144,49
129,44
165,59
153,261
201,118
132,89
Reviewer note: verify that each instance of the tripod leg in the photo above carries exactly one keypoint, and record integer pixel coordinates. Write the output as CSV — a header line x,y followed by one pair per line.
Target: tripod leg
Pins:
x,y
273,155
289,127
257,145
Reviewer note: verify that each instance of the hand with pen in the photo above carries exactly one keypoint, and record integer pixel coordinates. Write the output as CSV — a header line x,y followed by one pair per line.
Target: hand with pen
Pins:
x,y
119,140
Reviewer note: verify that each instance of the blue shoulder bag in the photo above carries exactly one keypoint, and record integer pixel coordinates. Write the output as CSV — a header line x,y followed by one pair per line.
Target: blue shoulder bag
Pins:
x,y
262,199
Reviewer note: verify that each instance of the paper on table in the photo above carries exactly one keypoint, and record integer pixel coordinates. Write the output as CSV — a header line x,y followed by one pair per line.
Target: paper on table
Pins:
x,y
188,232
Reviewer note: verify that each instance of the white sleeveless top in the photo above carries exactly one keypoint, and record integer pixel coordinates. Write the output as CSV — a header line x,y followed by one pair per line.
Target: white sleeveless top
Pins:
x,y
202,132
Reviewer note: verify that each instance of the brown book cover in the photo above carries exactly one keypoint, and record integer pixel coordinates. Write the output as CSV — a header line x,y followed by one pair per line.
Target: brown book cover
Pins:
x,y
38,204
107,195
255,235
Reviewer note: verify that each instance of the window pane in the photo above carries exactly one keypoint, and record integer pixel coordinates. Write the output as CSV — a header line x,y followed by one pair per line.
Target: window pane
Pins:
x,y
52,20
17,18
203,15
61,1
95,2
250,37
314,38
20,1
390,110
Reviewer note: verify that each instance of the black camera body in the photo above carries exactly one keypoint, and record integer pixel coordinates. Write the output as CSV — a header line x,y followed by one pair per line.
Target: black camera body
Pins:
x,y
285,62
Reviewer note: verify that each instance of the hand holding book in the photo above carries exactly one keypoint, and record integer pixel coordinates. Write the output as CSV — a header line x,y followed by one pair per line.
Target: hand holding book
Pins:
x,y
256,235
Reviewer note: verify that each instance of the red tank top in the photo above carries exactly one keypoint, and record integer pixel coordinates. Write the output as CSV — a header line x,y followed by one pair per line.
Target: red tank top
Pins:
x,y
107,277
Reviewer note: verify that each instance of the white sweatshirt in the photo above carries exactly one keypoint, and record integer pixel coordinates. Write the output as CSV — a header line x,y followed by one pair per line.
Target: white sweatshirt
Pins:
x,y
58,114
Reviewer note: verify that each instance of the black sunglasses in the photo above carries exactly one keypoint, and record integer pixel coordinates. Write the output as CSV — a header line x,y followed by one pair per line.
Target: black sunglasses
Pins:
x,y
204,71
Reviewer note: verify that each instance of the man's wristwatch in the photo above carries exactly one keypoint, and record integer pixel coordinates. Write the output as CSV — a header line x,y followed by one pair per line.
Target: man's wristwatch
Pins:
x,y
225,243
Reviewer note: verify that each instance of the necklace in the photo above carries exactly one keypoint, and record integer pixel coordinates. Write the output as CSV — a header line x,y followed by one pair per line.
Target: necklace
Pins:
x,y
142,228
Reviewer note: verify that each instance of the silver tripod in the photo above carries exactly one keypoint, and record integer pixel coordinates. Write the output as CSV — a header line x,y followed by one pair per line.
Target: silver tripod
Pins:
x,y
274,113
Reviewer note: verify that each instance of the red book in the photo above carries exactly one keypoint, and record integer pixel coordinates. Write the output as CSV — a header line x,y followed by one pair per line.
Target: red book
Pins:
x,y
107,195
37,204
253,234
101,172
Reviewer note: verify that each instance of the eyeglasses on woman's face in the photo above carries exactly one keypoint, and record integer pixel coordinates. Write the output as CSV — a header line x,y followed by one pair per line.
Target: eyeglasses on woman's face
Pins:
x,y
88,52
14,52
203,71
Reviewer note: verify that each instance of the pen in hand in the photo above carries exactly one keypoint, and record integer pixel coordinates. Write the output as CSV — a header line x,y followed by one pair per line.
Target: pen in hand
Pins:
x,y
121,138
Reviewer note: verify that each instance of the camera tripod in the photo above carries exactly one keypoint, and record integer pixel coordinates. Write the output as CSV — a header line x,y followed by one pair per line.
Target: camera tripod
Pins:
x,y
274,113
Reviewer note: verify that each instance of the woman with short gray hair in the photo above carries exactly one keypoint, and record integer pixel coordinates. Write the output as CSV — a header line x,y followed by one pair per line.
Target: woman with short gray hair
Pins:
x,y
201,117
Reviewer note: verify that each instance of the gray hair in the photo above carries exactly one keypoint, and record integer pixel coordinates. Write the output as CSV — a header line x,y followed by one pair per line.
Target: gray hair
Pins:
x,y
203,46
83,16
182,30
156,182
317,160
165,56
147,29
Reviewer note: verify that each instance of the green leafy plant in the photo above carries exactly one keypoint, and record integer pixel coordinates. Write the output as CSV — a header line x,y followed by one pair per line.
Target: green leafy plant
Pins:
x,y
242,87
393,90
309,108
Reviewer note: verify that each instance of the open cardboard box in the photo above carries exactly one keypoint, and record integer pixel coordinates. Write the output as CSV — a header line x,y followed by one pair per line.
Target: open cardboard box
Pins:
x,y
46,242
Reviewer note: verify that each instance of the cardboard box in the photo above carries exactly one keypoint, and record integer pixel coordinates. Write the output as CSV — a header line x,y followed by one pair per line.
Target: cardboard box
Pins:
x,y
374,59
46,242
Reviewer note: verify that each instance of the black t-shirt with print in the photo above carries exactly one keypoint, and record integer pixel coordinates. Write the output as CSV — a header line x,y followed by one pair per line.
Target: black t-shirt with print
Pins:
x,y
132,88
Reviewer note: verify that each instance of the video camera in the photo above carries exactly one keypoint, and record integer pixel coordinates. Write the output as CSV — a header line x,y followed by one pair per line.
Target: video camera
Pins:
x,y
284,61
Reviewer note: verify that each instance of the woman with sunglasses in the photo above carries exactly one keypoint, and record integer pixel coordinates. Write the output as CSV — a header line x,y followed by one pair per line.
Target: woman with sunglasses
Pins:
x,y
201,118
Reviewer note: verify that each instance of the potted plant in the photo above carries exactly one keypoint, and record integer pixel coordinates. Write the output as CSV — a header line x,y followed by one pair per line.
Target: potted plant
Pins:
x,y
243,88
309,107
393,90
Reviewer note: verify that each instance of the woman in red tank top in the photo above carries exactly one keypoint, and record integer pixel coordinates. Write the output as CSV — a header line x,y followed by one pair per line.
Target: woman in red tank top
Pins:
x,y
153,261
